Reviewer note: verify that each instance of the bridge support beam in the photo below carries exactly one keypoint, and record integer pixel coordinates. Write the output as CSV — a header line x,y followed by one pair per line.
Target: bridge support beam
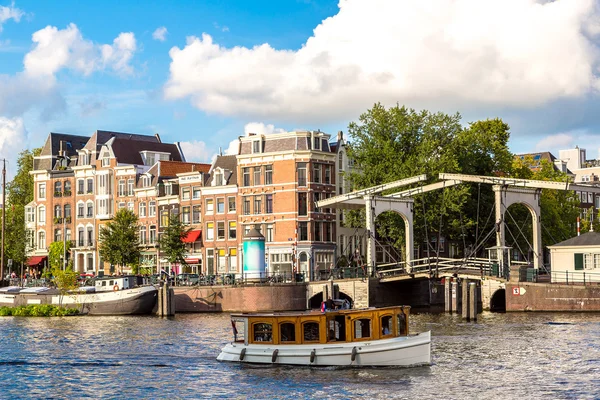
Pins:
x,y
376,205
507,196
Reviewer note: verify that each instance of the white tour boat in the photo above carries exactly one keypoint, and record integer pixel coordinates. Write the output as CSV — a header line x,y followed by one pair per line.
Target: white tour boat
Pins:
x,y
363,337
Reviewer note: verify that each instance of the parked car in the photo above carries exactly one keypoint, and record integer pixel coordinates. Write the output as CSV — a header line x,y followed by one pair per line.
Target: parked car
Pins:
x,y
187,279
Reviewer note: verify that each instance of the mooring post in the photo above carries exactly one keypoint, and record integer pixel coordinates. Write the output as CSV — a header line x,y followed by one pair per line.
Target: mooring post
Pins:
x,y
448,295
465,299
166,301
472,301
455,298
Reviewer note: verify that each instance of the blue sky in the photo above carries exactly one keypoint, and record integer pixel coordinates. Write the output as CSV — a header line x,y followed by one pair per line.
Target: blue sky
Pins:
x,y
204,73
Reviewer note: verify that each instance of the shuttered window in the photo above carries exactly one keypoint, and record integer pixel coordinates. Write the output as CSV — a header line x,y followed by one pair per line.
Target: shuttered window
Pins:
x,y
578,261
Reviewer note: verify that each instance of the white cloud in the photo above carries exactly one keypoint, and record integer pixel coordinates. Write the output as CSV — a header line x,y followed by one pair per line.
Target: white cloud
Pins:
x,y
233,148
462,54
195,150
160,34
13,139
10,12
557,141
56,49
261,128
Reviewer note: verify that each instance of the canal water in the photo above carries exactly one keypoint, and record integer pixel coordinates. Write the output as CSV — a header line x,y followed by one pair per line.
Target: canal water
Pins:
x,y
502,356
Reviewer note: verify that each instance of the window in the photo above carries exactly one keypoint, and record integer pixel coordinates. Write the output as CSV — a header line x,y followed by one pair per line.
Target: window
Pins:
x,y
246,176
185,194
310,331
130,184
387,325
42,191
41,215
303,231
164,218
121,189
168,189
257,205
302,205
80,237
362,328
90,185
142,208
196,192
68,235
210,231
130,206
317,143
246,208
90,209
220,206
588,261
324,261
256,147
120,205
41,240
221,230
29,214
57,235
269,233
327,174
80,210
268,203
210,206
317,231
263,332
80,184
195,214
105,159
221,253
316,173
67,188
142,234
185,215
152,209
57,211
231,204
268,174
232,259
402,328
287,332
152,234
257,171
301,174
210,261
327,234
316,198
57,189
232,229
67,211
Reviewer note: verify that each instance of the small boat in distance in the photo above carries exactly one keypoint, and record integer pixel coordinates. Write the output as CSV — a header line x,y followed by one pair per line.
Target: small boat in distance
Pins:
x,y
362,337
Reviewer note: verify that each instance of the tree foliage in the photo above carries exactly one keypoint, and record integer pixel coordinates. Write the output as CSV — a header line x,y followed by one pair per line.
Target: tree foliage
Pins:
x,y
388,144
19,194
119,240
171,241
56,253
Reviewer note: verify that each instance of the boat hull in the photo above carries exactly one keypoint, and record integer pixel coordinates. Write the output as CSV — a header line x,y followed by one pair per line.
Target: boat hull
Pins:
x,y
138,300
403,351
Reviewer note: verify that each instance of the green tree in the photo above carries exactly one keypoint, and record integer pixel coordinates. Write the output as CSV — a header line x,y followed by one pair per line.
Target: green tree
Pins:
x,y
119,240
19,194
64,280
171,242
56,253
397,142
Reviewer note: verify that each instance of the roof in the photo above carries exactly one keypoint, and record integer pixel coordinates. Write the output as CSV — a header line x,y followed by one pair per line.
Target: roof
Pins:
x,y
586,239
99,138
127,151
170,169
227,163
52,146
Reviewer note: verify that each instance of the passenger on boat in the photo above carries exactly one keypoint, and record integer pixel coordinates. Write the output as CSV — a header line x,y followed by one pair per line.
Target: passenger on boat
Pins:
x,y
386,330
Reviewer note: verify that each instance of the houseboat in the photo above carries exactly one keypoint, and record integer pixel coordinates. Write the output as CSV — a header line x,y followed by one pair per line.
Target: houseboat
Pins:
x,y
361,337
108,296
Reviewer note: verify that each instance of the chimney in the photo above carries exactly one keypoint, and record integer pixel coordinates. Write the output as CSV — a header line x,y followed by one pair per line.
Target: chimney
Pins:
x,y
157,136
220,151
340,136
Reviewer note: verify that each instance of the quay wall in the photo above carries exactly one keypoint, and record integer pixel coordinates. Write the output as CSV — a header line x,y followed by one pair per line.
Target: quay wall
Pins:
x,y
525,296
278,297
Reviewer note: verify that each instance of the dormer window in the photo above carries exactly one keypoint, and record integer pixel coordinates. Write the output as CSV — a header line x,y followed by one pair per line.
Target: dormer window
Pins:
x,y
219,178
317,143
256,146
168,189
105,159
146,181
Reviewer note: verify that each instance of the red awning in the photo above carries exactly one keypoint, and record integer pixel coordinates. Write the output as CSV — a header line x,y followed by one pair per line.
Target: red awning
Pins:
x,y
191,260
35,260
192,236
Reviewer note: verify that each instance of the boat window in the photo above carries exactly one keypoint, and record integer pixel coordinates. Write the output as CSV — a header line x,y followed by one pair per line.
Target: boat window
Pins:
x,y
287,332
402,324
362,328
239,330
387,326
103,283
335,329
263,332
311,331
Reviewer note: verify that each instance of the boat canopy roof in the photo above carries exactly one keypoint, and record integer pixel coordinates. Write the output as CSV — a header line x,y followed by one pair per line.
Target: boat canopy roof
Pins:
x,y
314,312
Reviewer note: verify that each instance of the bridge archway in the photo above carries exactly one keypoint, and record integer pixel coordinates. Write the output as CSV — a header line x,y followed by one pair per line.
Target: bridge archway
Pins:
x,y
386,251
315,301
498,301
530,198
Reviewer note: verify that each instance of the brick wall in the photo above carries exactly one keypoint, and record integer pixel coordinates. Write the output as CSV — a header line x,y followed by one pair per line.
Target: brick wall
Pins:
x,y
524,296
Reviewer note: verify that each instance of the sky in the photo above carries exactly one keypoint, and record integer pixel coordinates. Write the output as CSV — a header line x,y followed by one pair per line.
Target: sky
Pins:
x,y
206,72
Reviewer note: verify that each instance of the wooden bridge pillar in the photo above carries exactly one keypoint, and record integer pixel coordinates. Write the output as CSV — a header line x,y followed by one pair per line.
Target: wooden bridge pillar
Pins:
x,y
166,301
